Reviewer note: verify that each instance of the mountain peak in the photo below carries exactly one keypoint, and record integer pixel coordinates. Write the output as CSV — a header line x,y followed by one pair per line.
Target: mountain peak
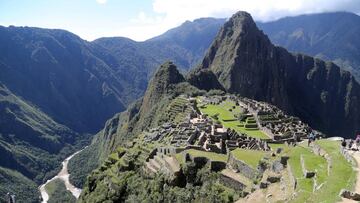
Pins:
x,y
241,16
167,74
240,22
164,80
244,61
238,38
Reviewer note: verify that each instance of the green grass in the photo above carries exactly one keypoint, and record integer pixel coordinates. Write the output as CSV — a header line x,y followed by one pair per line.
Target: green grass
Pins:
x,y
179,157
274,146
250,157
304,187
317,164
224,114
342,176
197,153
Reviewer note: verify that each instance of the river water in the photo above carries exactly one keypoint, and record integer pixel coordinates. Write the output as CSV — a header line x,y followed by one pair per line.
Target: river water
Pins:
x,y
64,176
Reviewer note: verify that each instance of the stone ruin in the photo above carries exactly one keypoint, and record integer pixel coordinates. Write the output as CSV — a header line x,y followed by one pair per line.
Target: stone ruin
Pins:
x,y
274,122
245,142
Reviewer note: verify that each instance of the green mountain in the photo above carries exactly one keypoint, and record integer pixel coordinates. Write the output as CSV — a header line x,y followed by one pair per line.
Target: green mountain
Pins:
x,y
56,88
68,78
31,145
162,150
122,131
185,45
329,36
244,61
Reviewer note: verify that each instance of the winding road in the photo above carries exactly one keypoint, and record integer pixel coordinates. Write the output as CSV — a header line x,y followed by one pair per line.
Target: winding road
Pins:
x,y
64,176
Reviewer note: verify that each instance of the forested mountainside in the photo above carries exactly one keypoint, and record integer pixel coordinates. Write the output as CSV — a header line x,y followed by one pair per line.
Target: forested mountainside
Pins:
x,y
244,61
329,36
56,88
173,146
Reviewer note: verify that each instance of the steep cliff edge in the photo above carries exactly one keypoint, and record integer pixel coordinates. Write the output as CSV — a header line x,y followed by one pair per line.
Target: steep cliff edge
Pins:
x,y
244,61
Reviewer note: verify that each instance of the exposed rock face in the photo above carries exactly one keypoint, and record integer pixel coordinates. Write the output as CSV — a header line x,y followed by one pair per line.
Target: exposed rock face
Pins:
x,y
329,36
245,62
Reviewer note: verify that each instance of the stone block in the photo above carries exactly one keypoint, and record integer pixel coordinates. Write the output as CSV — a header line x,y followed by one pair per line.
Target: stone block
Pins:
x,y
264,185
309,174
273,178
350,195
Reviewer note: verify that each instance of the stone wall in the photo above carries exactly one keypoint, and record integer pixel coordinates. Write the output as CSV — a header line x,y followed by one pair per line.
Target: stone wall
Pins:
x,y
242,167
202,161
293,181
231,183
346,154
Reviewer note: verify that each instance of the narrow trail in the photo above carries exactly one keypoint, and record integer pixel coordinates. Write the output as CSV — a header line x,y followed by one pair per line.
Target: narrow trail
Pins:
x,y
64,176
356,155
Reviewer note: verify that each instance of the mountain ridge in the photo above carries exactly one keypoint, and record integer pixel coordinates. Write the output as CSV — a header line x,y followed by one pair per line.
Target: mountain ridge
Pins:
x,y
245,62
329,36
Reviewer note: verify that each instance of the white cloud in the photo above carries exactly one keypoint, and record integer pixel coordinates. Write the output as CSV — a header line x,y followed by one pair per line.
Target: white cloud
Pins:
x,y
171,13
101,1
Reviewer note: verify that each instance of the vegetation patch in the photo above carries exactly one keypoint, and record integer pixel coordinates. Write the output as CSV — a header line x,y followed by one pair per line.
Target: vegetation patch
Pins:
x,y
228,118
342,175
250,157
57,192
210,155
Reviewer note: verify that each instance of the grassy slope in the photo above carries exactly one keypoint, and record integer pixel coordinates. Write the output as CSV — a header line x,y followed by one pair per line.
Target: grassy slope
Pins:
x,y
251,157
225,114
341,174
211,155
304,185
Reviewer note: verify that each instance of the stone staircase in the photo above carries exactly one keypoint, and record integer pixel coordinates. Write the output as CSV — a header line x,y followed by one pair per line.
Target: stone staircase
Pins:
x,y
162,163
179,108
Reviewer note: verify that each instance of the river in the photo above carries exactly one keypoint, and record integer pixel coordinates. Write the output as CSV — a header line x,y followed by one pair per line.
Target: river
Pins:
x,y
64,176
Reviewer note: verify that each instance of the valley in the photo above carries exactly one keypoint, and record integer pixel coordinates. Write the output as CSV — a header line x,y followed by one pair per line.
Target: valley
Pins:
x,y
63,176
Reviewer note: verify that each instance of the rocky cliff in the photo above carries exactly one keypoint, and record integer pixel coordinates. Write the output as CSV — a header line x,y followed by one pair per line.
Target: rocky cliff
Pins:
x,y
244,61
329,36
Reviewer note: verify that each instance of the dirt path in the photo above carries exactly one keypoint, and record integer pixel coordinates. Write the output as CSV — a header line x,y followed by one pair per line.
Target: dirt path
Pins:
x,y
356,155
64,176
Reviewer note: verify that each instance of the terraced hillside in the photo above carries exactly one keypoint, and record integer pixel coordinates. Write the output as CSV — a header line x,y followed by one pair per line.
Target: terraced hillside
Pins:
x,y
220,158
228,114
187,145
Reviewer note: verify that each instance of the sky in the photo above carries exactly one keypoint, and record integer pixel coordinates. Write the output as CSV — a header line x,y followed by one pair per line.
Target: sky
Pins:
x,y
143,19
